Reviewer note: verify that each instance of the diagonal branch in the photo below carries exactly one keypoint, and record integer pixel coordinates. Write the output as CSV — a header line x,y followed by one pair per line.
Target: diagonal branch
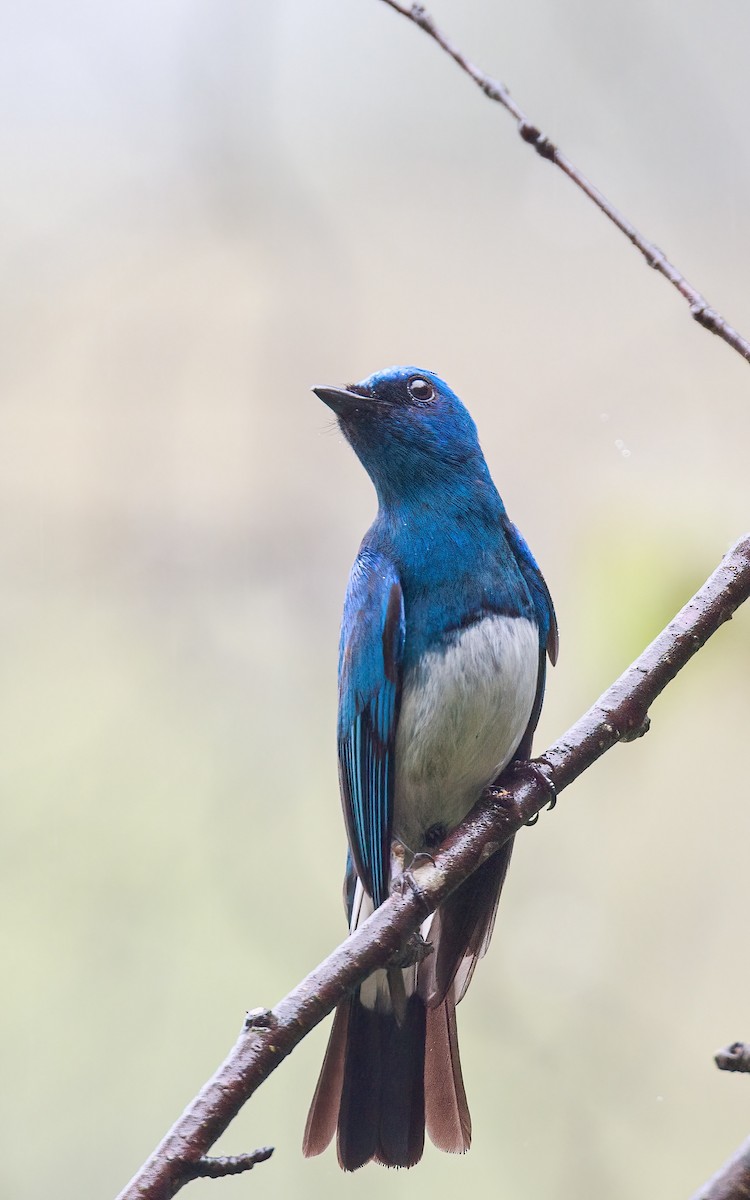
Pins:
x,y
732,1181
621,714
700,309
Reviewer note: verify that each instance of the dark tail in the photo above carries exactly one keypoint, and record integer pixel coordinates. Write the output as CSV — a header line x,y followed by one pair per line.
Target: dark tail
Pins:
x,y
382,1080
386,1078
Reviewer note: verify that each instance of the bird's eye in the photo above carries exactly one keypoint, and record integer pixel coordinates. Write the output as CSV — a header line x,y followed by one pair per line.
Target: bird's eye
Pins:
x,y
421,389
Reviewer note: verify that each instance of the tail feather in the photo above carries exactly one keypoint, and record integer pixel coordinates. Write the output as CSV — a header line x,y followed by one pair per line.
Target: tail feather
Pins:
x,y
392,1066
401,1118
371,1087
384,1081
323,1116
359,1113
447,1114
382,1102
461,931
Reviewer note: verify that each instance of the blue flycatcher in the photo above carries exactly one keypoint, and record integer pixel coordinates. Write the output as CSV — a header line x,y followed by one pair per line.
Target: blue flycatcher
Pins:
x,y
447,624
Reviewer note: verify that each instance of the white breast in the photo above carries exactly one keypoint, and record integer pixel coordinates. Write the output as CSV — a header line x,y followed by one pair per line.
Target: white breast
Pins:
x,y
463,712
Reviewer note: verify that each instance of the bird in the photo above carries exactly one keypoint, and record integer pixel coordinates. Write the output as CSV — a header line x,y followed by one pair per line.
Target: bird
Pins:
x,y
446,630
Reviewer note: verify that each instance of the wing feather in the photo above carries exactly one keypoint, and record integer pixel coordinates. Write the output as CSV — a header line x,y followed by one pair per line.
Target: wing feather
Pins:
x,y
372,642
543,606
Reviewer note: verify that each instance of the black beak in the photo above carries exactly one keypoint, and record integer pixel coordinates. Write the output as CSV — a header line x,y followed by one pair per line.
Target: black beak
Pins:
x,y
341,400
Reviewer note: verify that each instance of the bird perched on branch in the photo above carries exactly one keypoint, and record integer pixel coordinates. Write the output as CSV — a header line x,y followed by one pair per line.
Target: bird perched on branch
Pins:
x,y
447,624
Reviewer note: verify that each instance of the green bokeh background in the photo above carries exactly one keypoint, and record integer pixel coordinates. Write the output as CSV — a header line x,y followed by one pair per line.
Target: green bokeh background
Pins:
x,y
206,209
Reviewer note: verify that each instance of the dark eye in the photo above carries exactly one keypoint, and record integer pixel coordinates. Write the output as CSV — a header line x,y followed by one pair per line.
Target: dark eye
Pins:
x,y
421,389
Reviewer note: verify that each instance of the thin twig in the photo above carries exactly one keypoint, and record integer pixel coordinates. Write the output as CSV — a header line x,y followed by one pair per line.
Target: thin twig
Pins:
x,y
734,1058
732,1181
270,1034
700,309
230,1164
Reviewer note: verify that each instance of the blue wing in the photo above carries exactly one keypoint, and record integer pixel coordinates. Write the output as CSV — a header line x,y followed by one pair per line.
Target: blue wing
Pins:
x,y
370,659
546,619
542,601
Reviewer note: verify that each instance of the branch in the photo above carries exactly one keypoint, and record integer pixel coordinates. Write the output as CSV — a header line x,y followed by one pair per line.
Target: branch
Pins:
x,y
234,1164
732,1181
700,309
620,715
734,1058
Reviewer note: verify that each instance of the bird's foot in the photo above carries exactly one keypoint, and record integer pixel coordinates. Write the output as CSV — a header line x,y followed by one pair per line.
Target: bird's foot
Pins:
x,y
415,950
539,771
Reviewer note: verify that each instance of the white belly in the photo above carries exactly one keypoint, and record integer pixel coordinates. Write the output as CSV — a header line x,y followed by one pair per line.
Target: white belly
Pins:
x,y
463,712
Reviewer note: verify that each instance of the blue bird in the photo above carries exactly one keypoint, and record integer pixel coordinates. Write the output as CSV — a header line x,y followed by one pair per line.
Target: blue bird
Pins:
x,y
447,624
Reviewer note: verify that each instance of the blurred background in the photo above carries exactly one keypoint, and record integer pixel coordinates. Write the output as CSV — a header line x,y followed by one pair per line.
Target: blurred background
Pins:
x,y
206,209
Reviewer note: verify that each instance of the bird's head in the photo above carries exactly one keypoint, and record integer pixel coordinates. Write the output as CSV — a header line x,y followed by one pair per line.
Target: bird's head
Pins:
x,y
409,430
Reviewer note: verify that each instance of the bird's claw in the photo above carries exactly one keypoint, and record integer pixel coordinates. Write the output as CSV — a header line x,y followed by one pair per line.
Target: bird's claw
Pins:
x,y
414,951
540,771
421,859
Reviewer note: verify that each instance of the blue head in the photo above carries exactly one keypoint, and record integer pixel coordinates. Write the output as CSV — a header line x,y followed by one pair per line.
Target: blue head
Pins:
x,y
411,433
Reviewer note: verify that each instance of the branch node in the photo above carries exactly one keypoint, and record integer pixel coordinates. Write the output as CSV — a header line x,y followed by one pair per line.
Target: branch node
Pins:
x,y
534,136
636,723
636,729
492,90
735,1057
421,17
706,316
230,1164
259,1018
654,257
